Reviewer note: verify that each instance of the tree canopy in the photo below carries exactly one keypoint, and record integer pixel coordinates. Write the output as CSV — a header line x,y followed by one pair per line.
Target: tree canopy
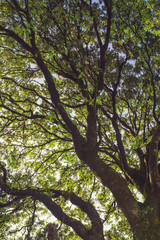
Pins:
x,y
79,119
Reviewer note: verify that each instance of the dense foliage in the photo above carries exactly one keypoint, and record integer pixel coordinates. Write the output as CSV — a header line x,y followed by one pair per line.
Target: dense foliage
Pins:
x,y
79,119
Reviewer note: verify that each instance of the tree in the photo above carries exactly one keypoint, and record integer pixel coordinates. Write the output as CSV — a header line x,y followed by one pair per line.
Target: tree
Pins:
x,y
80,126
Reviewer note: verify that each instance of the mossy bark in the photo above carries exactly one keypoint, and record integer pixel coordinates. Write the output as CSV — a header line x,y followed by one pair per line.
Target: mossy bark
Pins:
x,y
149,226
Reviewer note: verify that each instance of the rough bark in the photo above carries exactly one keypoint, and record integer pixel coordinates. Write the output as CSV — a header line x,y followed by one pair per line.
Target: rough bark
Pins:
x,y
149,226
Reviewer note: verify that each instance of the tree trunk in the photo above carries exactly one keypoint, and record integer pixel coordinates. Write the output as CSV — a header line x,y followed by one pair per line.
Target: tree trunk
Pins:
x,y
147,233
149,226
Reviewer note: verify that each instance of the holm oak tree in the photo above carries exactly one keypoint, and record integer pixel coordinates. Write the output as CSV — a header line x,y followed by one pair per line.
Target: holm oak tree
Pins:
x,y
79,119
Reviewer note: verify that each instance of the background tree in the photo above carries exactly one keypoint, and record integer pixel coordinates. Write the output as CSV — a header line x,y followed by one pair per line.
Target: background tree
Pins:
x,y
79,120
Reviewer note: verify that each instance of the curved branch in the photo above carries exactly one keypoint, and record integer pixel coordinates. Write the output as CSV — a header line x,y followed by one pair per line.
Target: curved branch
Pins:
x,y
77,137
86,207
56,210
13,35
112,180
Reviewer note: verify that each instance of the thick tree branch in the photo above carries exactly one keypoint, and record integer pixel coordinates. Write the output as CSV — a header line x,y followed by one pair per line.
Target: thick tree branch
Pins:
x,y
85,207
112,180
114,121
56,101
91,127
56,210
153,160
18,39
108,5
